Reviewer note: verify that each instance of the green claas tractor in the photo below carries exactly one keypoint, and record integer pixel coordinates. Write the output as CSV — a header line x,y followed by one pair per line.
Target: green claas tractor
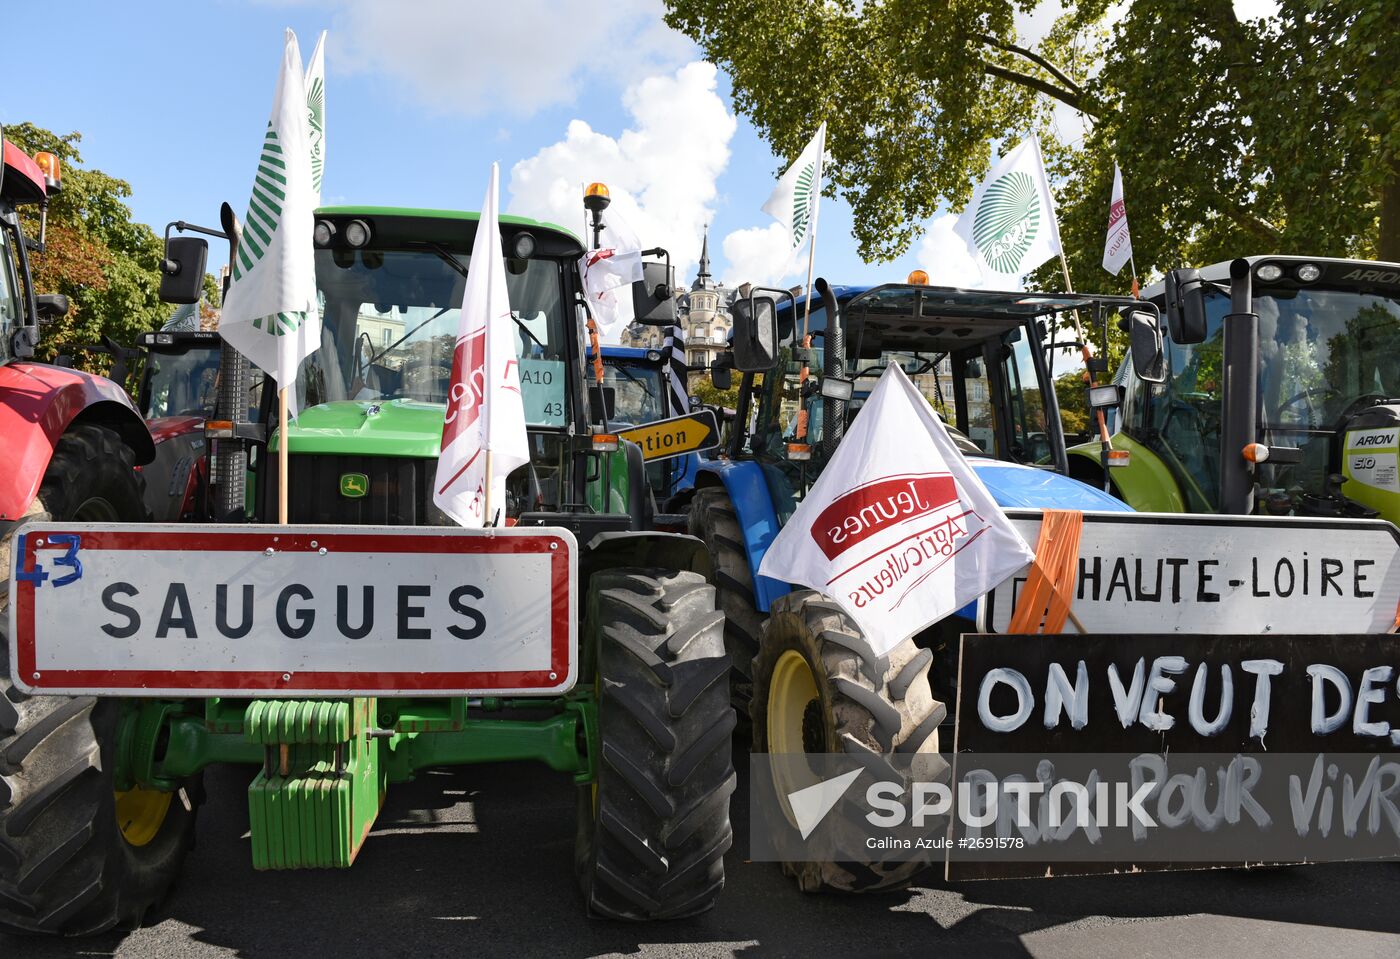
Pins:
x,y
370,638
1315,433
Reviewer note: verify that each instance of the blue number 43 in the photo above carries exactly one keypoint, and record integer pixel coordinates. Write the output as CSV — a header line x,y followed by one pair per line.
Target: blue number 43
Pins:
x,y
69,559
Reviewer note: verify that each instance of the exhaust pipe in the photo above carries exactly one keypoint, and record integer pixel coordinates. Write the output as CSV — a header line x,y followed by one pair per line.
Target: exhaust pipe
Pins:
x,y
833,364
1239,400
231,471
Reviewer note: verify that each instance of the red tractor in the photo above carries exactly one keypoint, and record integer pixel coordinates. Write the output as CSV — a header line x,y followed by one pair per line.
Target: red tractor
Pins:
x,y
71,442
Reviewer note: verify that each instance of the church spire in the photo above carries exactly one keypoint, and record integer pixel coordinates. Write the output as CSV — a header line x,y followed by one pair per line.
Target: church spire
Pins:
x,y
703,281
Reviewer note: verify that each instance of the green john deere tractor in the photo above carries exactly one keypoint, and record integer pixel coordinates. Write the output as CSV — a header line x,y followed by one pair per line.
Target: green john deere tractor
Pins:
x,y
101,763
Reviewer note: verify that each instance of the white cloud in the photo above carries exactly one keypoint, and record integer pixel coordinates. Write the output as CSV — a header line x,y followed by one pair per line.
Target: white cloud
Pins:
x,y
1031,28
661,171
943,255
761,255
472,58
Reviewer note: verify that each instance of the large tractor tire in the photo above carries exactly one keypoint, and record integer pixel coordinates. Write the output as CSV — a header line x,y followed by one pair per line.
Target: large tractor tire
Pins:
x,y
713,520
92,478
76,856
814,692
654,826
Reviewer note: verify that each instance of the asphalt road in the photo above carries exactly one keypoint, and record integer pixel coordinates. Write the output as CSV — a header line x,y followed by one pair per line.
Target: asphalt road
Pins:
x,y
479,862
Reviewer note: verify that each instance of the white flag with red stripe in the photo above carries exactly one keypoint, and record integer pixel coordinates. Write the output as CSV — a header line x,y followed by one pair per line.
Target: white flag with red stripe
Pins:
x,y
483,430
1118,245
898,529
608,273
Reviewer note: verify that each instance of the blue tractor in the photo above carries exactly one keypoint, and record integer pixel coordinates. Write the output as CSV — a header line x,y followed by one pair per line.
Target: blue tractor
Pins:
x,y
982,361
637,391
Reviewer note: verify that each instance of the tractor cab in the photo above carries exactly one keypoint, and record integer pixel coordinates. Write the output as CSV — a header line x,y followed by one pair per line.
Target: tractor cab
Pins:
x,y
636,390
178,395
180,377
371,397
634,382
1324,346
980,358
24,181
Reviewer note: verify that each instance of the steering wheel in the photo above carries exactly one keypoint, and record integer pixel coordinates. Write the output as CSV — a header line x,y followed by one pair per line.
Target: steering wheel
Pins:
x,y
964,443
426,379
1306,397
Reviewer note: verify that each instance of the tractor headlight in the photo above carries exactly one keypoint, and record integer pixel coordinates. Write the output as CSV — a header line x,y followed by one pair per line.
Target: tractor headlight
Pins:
x,y
324,233
1269,272
524,246
357,233
1309,273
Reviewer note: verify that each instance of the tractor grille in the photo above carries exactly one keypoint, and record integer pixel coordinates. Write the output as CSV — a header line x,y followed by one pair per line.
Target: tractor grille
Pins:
x,y
400,491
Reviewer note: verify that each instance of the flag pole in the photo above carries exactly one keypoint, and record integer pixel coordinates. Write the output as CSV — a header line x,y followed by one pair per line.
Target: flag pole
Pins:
x,y
282,444
487,517
812,239
1105,442
488,357
811,257
1137,290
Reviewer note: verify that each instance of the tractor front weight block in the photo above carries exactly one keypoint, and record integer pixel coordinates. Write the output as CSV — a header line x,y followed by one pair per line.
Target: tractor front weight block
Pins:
x,y
321,785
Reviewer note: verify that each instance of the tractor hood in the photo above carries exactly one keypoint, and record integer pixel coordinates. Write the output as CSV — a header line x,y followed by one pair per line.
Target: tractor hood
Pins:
x,y
1013,485
367,427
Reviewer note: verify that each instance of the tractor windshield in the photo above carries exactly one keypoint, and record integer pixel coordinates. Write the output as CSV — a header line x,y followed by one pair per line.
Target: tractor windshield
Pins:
x,y
640,392
390,322
983,378
183,383
970,387
1320,352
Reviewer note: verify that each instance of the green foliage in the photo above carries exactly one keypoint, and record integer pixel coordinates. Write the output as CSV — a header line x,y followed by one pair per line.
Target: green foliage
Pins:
x,y
106,264
704,388
1234,138
1071,391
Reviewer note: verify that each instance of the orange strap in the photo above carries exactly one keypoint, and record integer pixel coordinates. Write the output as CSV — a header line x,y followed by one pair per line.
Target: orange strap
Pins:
x,y
593,342
800,434
1049,590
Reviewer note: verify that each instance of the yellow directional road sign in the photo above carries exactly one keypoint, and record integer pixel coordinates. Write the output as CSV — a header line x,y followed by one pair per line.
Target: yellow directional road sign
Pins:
x,y
675,437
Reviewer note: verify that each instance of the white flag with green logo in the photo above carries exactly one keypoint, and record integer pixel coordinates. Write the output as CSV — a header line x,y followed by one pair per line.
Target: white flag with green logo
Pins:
x,y
270,313
1010,226
316,113
794,200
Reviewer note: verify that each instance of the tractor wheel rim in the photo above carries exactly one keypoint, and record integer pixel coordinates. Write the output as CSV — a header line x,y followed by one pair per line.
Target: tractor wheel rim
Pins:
x,y
792,693
141,812
96,510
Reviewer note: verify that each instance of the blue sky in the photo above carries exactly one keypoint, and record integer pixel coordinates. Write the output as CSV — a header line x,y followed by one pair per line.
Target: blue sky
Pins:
x,y
422,97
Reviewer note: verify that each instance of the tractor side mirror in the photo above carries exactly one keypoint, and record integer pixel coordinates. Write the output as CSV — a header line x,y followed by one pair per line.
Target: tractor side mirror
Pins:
x,y
722,372
1186,306
50,306
755,333
1145,344
652,301
182,270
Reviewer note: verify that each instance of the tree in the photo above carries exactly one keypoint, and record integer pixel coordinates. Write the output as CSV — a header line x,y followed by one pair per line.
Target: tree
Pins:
x,y
1279,135
704,389
1071,390
107,265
